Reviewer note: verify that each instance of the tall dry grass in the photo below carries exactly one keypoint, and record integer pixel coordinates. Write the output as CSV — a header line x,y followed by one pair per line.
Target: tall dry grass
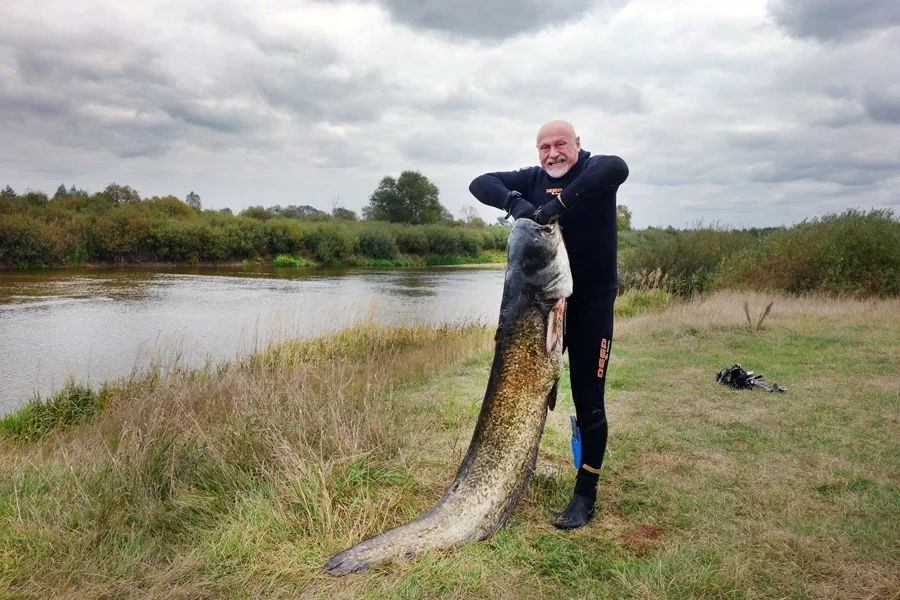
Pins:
x,y
725,310
307,433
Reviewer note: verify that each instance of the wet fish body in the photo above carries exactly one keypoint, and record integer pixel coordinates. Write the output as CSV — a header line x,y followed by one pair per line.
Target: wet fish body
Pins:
x,y
522,385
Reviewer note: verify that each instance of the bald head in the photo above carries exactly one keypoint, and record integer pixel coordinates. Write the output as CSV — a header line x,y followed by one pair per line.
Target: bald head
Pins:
x,y
558,147
557,127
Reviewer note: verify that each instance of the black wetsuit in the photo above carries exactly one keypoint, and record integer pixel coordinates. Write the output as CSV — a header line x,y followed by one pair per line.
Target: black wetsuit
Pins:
x,y
589,229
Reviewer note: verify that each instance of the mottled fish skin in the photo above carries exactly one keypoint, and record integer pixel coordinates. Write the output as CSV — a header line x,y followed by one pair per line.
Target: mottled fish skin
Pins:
x,y
503,452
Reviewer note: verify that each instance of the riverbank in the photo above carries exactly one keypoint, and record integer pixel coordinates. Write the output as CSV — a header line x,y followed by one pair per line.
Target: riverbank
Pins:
x,y
490,257
240,480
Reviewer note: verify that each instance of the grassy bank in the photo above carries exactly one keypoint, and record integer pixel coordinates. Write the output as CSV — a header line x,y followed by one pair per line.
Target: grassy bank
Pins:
x,y
241,481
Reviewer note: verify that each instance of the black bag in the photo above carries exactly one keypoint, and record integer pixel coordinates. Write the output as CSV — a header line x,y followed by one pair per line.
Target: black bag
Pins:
x,y
741,379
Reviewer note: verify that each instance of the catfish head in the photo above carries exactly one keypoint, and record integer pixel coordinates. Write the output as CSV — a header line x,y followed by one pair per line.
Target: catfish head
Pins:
x,y
538,262
538,281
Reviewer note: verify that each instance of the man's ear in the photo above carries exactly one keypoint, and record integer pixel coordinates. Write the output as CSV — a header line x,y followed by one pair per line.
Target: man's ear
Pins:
x,y
577,143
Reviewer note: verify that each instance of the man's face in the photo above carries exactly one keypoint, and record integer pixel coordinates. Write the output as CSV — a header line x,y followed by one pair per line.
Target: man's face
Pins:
x,y
558,151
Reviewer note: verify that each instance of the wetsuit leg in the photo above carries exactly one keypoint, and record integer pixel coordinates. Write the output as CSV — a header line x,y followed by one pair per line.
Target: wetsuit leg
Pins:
x,y
589,332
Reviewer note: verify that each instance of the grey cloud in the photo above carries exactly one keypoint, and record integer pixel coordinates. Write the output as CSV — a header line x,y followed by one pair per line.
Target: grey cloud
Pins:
x,y
834,20
312,94
119,95
488,21
614,100
218,119
303,77
443,147
844,170
883,105
227,18
81,99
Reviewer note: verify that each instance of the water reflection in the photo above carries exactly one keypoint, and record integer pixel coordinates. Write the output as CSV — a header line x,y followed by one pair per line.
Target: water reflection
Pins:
x,y
103,323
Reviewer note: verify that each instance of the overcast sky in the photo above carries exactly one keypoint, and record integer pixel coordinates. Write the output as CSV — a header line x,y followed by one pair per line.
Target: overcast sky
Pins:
x,y
741,113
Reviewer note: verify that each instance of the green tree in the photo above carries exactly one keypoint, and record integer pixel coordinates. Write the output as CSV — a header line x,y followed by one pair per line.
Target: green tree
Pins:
x,y
623,218
193,200
257,212
61,192
344,214
411,198
8,193
304,213
122,194
469,215
36,198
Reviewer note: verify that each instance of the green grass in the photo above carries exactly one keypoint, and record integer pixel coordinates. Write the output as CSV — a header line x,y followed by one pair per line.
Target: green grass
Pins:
x,y
241,480
72,405
283,260
403,260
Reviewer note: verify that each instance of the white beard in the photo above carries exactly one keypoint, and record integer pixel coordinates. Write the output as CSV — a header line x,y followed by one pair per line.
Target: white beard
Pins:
x,y
558,170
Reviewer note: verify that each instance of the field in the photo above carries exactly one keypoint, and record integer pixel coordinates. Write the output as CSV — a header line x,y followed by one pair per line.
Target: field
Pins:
x,y
241,480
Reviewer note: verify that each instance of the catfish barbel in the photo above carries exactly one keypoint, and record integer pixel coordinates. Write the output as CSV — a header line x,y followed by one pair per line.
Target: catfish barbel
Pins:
x,y
522,385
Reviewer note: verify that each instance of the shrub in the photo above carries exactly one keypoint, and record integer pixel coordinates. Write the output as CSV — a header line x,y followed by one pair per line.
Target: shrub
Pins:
x,y
685,259
442,239
854,253
169,205
412,240
283,236
21,240
174,240
470,241
329,242
500,237
122,233
377,243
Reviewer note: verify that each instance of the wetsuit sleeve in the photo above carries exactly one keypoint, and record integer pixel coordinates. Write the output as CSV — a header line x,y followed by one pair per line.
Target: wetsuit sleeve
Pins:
x,y
493,188
602,172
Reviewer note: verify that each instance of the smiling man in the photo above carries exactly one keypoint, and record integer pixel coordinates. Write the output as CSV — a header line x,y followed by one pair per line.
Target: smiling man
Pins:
x,y
580,191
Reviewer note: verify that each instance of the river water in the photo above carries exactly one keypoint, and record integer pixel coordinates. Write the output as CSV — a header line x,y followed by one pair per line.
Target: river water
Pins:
x,y
97,324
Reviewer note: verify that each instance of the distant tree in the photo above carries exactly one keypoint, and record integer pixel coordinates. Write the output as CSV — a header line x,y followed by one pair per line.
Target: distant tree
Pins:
x,y
171,206
61,192
304,213
623,218
411,198
36,198
226,211
122,194
8,193
469,215
193,200
344,214
257,212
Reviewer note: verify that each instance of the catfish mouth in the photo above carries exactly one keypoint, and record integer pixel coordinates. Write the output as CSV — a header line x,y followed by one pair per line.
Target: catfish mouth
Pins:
x,y
550,229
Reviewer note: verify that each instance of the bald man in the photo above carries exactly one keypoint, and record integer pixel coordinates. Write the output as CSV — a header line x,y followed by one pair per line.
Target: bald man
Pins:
x,y
578,190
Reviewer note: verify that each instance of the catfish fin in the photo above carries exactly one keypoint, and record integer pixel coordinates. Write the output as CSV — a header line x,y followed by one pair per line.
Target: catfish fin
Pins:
x,y
551,396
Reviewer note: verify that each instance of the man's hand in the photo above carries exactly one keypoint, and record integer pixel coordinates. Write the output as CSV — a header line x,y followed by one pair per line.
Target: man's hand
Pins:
x,y
548,212
519,207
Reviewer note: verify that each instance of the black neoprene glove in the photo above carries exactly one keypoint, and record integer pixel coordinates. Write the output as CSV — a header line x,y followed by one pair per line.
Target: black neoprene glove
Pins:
x,y
518,206
544,214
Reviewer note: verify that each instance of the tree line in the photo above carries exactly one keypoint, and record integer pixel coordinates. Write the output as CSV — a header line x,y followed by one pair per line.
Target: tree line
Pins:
x,y
404,216
74,226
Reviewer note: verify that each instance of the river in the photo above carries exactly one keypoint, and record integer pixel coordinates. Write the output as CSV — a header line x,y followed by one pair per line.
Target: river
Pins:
x,y
96,324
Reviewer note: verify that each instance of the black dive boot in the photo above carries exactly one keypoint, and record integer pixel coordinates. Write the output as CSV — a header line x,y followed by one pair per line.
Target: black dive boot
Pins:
x,y
581,507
